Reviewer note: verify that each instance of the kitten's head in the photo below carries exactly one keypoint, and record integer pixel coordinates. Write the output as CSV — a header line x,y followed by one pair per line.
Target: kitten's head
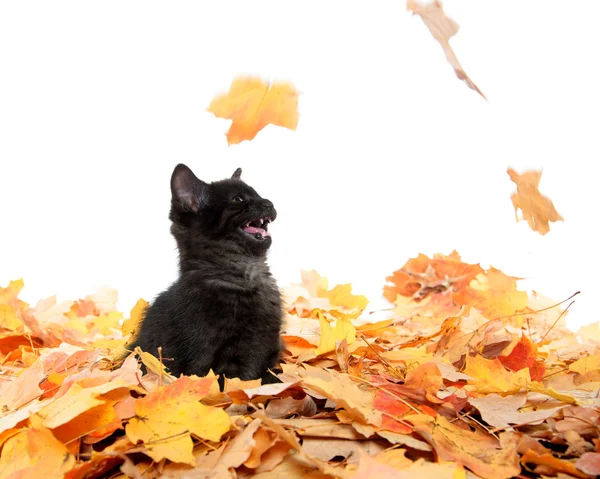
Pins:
x,y
227,210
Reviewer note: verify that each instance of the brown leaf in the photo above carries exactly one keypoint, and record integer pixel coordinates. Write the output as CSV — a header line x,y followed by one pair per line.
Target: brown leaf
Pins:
x,y
589,463
326,448
339,387
502,412
442,28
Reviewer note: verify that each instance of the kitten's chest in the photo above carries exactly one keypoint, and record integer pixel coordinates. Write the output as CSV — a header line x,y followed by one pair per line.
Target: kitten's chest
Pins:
x,y
261,306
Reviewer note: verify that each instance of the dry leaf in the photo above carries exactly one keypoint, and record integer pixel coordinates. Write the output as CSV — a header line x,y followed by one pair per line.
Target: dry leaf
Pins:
x,y
536,209
252,104
443,29
35,453
166,417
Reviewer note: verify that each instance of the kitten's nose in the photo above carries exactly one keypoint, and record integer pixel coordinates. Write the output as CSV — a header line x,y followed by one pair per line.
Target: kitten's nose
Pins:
x,y
267,203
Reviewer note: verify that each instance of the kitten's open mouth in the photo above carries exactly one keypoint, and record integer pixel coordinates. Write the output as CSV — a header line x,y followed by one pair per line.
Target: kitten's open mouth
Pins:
x,y
258,227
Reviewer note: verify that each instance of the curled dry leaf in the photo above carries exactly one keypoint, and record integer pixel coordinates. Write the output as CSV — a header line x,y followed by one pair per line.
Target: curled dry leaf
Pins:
x,y
536,209
442,28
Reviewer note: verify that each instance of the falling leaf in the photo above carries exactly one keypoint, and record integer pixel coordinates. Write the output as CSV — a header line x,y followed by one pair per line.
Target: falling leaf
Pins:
x,y
166,417
252,104
443,29
536,209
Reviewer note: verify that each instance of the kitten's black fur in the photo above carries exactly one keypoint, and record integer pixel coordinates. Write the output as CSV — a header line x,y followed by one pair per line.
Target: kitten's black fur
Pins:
x,y
224,312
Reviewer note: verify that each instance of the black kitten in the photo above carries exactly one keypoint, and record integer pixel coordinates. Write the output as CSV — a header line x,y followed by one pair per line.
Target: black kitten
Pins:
x,y
224,312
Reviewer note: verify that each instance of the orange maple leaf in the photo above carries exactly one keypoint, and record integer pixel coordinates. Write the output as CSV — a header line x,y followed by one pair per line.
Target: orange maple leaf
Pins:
x,y
35,452
421,277
494,293
252,104
536,209
524,355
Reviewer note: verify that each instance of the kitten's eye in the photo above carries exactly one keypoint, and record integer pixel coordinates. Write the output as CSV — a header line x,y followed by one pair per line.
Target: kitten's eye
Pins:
x,y
238,199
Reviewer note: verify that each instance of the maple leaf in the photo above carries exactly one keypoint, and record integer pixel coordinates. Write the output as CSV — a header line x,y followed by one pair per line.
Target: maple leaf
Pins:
x,y
536,209
9,295
166,417
377,466
35,453
82,308
339,387
341,295
343,329
494,294
489,376
502,412
131,325
484,455
421,276
524,355
442,28
252,104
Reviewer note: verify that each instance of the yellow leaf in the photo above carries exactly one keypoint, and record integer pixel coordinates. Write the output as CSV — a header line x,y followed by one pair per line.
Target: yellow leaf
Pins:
x,y
152,363
97,422
585,365
76,401
343,329
9,319
490,376
33,454
106,323
131,325
341,295
9,296
252,104
166,417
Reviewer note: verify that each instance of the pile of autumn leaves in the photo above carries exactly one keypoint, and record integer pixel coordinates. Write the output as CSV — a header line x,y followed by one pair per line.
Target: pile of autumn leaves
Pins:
x,y
466,377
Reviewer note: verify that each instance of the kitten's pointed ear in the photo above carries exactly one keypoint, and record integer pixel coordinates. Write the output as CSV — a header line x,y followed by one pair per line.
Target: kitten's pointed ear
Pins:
x,y
188,192
236,174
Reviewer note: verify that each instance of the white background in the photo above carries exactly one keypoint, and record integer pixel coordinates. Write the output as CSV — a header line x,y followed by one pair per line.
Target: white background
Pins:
x,y
393,155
